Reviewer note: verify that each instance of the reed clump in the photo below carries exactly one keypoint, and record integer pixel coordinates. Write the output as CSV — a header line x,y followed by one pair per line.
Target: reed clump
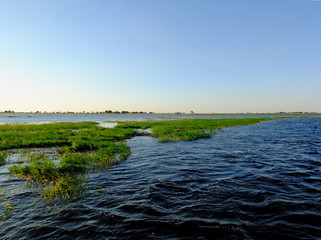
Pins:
x,y
66,186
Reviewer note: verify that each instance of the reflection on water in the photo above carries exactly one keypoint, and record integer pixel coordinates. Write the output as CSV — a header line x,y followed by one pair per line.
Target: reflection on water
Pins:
x,y
107,124
251,182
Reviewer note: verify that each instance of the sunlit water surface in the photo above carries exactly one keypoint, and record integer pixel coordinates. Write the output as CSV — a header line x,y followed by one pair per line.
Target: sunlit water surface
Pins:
x,y
251,182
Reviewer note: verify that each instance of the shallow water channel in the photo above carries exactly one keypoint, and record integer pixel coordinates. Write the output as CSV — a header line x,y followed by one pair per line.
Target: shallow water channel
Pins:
x,y
250,182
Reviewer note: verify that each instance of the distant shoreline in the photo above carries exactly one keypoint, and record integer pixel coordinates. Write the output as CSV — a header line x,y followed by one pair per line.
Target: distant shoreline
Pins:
x,y
153,113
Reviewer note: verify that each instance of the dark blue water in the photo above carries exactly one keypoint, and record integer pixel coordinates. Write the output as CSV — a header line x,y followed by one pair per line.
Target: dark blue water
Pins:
x,y
251,182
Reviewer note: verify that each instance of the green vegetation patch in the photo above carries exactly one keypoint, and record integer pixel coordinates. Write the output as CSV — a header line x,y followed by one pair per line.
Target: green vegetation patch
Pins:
x,y
83,146
188,129
3,157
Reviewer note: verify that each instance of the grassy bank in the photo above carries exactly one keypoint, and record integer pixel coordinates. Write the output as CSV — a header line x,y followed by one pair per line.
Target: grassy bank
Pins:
x,y
85,146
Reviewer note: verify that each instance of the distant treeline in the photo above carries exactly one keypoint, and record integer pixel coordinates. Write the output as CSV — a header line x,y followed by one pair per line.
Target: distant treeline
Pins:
x,y
8,111
141,112
83,112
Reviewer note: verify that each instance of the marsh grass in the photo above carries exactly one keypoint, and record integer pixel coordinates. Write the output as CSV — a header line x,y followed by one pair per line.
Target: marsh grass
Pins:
x,y
193,129
66,186
188,129
82,146
3,157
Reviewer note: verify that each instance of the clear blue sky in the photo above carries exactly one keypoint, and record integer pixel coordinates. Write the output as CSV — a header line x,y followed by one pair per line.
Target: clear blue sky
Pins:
x,y
160,55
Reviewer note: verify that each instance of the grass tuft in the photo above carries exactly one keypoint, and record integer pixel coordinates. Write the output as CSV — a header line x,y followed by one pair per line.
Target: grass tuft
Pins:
x,y
3,157
66,186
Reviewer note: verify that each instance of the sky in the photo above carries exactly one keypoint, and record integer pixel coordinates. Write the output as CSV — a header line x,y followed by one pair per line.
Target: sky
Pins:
x,y
206,56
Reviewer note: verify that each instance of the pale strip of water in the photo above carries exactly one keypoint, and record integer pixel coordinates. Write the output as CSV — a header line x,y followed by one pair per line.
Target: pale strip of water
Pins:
x,y
46,118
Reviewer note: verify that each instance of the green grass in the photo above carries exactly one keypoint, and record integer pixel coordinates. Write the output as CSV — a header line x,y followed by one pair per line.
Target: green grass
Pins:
x,y
79,136
188,129
40,169
3,157
82,146
66,186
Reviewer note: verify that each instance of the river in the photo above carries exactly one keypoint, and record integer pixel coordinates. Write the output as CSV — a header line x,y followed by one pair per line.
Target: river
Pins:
x,y
251,182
